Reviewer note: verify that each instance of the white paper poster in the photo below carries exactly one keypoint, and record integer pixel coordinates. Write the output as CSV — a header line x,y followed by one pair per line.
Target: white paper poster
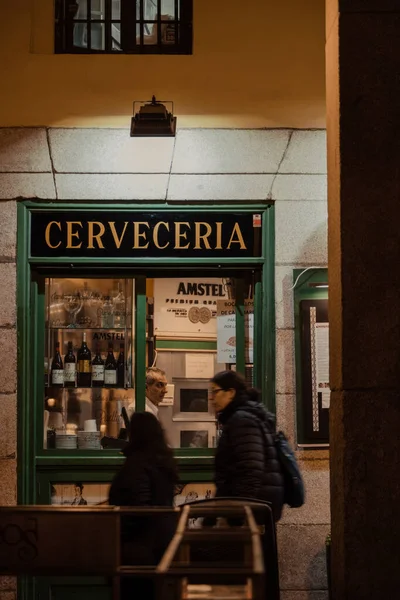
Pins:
x,y
79,494
322,362
199,365
192,492
187,307
226,327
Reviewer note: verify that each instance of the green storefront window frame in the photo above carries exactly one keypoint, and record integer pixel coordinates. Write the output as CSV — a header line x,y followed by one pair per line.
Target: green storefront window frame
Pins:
x,y
32,458
305,282
37,469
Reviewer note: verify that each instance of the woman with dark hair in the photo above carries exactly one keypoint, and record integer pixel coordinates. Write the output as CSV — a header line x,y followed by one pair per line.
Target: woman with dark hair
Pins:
x,y
246,460
147,478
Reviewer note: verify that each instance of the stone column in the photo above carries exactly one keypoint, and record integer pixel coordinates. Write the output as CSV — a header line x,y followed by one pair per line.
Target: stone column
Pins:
x,y
8,352
363,118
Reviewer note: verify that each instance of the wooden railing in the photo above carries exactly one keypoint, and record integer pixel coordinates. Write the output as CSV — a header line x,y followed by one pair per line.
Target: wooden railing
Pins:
x,y
59,541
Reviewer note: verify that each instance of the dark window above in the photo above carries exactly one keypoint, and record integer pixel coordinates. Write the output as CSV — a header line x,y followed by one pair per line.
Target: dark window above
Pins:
x,y
123,26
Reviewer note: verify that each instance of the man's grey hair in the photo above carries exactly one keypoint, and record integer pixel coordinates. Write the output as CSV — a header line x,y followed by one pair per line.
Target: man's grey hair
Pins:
x,y
152,373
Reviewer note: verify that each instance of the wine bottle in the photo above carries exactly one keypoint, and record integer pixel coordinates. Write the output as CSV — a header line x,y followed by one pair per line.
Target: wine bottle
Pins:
x,y
57,368
97,369
121,367
70,367
110,368
84,364
46,371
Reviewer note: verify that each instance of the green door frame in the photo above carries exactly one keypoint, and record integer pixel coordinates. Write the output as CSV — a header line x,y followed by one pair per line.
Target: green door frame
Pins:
x,y
30,303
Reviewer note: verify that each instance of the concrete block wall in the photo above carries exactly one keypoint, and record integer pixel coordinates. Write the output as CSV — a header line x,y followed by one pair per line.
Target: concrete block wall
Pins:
x,y
283,165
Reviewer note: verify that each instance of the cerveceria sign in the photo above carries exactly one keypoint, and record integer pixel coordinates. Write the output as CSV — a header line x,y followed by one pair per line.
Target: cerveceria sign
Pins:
x,y
132,234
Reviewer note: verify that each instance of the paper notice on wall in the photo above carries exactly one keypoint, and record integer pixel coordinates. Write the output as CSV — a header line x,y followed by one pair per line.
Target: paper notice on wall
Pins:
x,y
322,362
226,331
199,365
187,307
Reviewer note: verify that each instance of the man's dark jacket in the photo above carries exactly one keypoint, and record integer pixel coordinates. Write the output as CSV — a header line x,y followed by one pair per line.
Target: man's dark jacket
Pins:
x,y
246,460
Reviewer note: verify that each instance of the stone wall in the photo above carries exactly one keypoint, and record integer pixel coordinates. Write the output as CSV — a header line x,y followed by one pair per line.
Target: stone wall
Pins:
x,y
283,165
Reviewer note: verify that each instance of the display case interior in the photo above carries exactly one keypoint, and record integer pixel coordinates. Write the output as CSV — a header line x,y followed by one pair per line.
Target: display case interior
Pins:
x,y
186,329
88,365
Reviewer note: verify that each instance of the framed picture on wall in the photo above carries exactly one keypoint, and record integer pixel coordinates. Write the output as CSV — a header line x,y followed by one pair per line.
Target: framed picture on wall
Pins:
x,y
79,493
191,400
196,438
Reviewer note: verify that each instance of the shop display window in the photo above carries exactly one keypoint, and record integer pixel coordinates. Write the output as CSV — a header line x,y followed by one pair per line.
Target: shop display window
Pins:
x,y
88,362
89,391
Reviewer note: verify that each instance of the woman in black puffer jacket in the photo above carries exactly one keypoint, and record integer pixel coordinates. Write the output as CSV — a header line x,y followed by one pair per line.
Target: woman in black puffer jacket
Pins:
x,y
246,461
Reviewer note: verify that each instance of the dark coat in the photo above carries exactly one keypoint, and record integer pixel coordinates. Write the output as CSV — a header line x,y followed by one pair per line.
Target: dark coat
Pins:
x,y
246,461
144,482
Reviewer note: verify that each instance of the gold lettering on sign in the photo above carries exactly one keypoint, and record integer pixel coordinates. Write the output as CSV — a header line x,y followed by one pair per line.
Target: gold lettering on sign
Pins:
x,y
202,236
117,240
71,234
47,234
139,234
95,236
236,230
180,234
218,237
155,234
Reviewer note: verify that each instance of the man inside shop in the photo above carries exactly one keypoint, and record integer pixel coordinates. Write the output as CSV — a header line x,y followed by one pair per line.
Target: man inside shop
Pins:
x,y
156,388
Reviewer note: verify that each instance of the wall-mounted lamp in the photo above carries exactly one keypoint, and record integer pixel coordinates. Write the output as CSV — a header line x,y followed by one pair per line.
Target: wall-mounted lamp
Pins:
x,y
153,119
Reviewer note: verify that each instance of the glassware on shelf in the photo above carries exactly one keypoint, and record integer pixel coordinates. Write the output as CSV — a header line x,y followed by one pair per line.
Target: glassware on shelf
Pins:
x,y
107,313
56,308
119,308
92,301
73,304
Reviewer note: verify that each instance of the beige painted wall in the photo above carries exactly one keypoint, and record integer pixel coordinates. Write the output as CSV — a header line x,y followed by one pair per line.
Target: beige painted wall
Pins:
x,y
289,167
255,64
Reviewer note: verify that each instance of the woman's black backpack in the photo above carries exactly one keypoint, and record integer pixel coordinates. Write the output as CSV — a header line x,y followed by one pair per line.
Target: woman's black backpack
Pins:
x,y
293,480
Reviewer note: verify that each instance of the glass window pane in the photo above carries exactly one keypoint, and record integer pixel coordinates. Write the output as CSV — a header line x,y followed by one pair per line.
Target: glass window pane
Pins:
x,y
185,329
195,331
116,9
79,9
80,35
97,9
168,8
89,361
168,33
116,36
98,36
149,10
150,33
